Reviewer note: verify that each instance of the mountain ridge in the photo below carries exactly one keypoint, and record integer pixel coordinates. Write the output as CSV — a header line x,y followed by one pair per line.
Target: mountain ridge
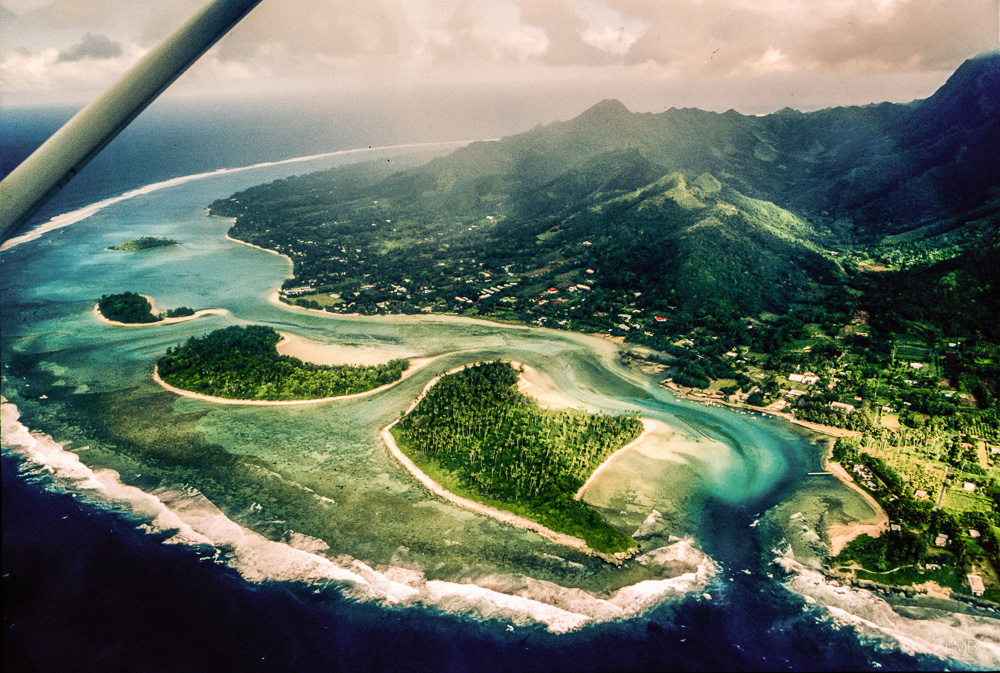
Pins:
x,y
704,213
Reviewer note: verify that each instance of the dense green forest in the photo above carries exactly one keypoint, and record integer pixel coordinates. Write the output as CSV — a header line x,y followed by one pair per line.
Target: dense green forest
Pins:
x,y
840,266
242,363
144,243
134,309
127,307
503,448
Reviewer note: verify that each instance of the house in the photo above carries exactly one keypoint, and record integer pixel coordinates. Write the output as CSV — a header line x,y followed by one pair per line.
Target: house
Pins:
x,y
973,533
917,365
895,527
941,540
920,495
810,379
732,354
976,584
841,406
795,378
969,486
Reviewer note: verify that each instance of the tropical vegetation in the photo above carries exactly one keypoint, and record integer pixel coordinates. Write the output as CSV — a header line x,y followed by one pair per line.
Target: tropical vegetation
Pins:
x,y
144,243
135,309
493,442
242,363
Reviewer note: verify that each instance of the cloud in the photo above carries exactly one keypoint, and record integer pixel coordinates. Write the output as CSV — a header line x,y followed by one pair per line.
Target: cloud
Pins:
x,y
98,47
376,43
32,73
608,29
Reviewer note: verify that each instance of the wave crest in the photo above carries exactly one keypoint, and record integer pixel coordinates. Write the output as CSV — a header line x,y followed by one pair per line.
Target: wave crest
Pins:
x,y
188,517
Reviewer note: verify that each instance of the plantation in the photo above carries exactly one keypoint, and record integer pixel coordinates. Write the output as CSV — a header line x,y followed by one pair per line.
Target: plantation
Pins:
x,y
499,447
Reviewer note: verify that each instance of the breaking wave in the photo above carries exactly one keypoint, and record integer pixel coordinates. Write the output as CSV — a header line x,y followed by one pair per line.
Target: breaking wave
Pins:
x,y
74,216
970,640
187,517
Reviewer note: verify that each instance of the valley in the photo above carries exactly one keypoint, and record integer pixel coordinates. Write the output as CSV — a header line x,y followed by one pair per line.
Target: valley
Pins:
x,y
839,266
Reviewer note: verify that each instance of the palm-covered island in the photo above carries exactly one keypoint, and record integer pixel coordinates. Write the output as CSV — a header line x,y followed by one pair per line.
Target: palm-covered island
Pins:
x,y
144,243
134,309
838,267
478,436
242,363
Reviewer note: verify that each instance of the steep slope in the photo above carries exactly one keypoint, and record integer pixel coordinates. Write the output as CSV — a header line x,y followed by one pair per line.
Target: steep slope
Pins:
x,y
886,167
711,214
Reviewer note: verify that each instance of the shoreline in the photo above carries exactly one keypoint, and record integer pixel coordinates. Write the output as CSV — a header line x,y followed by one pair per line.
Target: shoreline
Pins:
x,y
162,321
416,364
236,240
763,411
500,515
841,534
648,425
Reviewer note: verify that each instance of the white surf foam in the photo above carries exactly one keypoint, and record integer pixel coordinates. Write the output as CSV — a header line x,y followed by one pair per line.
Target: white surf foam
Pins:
x,y
192,519
72,217
972,640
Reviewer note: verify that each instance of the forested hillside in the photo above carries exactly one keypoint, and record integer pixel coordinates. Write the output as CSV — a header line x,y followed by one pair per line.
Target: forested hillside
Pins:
x,y
840,266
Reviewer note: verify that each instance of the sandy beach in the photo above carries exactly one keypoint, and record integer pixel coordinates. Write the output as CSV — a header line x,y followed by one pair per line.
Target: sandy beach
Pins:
x,y
648,426
415,365
840,535
273,252
479,508
154,311
333,354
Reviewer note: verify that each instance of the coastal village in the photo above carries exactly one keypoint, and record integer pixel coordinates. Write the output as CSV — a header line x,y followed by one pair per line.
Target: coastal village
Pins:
x,y
915,434
933,476
912,435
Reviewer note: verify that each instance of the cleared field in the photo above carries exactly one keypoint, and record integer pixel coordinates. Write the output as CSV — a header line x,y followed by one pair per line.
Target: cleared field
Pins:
x,y
919,473
958,500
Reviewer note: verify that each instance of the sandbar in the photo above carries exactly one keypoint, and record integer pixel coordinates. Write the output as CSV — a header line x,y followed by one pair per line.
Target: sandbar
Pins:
x,y
153,311
648,426
332,354
415,365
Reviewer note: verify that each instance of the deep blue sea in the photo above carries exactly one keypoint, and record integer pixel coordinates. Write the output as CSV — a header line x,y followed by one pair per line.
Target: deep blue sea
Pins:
x,y
86,589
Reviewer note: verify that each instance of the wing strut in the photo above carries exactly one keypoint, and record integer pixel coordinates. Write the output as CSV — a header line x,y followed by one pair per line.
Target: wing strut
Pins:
x,y
70,148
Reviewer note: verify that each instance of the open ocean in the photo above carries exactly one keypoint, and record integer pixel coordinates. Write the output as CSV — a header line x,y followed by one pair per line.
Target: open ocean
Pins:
x,y
87,586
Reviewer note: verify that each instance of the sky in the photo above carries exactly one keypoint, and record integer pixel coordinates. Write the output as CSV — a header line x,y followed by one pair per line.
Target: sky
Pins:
x,y
755,56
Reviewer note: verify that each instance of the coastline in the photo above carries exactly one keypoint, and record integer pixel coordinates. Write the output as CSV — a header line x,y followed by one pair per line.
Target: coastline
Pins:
x,y
299,347
648,425
415,365
273,252
162,321
764,411
838,534
486,510
841,534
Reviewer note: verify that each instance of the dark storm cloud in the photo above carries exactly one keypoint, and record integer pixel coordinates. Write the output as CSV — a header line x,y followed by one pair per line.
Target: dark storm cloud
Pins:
x,y
96,47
